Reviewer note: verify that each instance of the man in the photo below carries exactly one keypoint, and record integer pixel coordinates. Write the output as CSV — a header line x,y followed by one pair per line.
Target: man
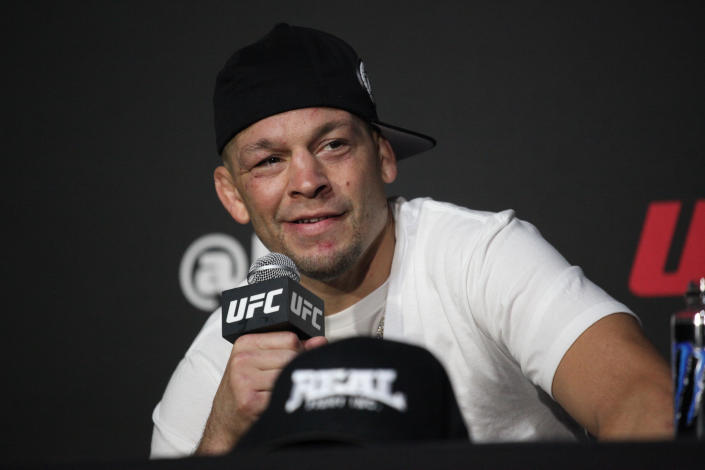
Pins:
x,y
305,160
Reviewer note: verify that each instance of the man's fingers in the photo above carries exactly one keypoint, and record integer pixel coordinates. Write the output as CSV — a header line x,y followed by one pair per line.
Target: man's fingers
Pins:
x,y
264,381
270,340
262,360
256,362
255,381
315,342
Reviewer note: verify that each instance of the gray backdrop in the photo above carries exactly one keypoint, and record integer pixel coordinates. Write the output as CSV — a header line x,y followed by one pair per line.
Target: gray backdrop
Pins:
x,y
577,115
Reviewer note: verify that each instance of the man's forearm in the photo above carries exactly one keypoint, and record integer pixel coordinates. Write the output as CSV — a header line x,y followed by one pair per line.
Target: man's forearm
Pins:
x,y
614,382
214,440
645,413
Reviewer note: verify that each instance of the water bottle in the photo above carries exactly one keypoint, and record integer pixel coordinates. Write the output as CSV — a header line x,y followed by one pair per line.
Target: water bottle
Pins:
x,y
688,363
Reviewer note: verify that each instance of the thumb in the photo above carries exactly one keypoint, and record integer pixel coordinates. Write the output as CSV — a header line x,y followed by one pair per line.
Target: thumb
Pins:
x,y
315,342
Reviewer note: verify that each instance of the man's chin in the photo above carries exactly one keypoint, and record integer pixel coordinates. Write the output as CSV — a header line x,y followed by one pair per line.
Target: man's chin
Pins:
x,y
327,267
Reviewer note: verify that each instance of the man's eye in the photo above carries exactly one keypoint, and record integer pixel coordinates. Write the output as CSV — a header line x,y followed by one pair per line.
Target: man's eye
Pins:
x,y
335,144
269,161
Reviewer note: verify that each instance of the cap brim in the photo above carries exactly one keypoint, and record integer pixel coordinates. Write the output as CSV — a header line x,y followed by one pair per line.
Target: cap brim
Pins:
x,y
405,142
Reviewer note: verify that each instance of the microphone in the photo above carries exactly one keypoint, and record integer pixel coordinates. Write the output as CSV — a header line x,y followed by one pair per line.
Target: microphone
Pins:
x,y
273,300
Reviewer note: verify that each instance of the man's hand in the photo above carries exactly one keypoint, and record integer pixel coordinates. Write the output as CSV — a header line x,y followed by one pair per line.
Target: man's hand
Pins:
x,y
615,383
255,362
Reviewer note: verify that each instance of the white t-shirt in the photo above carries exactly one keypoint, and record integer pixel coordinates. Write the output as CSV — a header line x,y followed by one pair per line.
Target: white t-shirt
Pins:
x,y
360,319
484,292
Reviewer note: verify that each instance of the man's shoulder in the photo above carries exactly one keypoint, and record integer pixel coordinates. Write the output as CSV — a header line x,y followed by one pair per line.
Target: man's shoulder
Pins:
x,y
426,209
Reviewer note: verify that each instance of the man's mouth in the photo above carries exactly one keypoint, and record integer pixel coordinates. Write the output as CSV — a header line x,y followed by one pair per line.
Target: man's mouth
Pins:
x,y
312,221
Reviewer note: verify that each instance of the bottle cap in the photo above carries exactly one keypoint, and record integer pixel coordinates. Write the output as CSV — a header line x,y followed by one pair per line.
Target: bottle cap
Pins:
x,y
695,294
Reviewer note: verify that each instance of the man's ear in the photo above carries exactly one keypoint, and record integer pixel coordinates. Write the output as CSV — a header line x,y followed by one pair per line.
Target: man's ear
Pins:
x,y
229,195
387,159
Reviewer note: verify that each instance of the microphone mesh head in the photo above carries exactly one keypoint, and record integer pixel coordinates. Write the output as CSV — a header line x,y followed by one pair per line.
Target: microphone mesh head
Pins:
x,y
272,266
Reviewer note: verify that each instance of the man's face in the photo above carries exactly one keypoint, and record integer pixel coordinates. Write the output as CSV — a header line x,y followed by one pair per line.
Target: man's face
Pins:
x,y
311,181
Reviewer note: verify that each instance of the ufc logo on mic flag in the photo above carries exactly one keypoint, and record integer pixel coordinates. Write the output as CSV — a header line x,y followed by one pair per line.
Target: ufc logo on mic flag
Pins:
x,y
255,301
308,309
274,305
649,277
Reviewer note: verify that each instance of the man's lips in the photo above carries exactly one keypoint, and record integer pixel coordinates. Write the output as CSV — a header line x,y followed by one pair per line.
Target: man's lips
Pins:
x,y
313,218
314,225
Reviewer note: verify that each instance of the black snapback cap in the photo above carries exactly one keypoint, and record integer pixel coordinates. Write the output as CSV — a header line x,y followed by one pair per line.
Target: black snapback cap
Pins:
x,y
294,67
360,392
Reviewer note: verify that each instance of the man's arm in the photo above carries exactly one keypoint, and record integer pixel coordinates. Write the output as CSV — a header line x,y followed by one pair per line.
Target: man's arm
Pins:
x,y
615,383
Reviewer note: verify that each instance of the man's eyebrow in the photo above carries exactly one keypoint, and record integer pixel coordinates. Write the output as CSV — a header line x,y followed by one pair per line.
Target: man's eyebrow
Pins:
x,y
261,144
332,125
323,129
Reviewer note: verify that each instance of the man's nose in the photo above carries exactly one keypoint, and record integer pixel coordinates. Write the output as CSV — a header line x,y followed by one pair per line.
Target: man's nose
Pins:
x,y
307,177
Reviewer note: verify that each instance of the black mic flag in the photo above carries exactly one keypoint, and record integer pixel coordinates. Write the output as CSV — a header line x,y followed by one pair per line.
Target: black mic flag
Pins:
x,y
273,301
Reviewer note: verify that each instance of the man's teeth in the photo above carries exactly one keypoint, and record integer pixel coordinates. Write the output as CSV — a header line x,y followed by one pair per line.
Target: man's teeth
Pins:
x,y
310,221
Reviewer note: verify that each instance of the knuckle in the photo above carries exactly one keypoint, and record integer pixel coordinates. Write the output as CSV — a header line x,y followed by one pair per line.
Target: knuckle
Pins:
x,y
244,342
290,340
240,379
238,384
286,356
248,403
241,359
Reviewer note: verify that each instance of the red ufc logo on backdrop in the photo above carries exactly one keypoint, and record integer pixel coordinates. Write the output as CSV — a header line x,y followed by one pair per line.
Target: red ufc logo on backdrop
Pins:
x,y
649,277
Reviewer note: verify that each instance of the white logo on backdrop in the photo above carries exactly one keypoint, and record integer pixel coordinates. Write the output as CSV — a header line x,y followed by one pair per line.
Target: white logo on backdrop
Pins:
x,y
211,264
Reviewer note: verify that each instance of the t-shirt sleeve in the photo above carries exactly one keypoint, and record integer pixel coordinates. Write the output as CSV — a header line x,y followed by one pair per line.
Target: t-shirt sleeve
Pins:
x,y
533,303
180,417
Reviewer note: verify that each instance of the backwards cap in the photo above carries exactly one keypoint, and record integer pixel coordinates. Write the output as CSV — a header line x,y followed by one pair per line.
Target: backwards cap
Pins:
x,y
293,68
